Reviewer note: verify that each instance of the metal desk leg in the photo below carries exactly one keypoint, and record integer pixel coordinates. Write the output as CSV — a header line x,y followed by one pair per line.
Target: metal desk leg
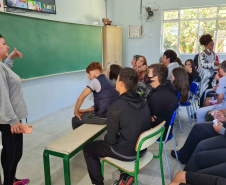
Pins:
x,y
46,167
67,177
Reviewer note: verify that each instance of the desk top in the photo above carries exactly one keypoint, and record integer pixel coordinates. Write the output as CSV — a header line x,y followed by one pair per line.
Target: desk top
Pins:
x,y
75,138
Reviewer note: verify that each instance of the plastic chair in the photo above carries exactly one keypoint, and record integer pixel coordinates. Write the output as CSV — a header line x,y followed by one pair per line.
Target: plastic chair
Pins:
x,y
145,140
207,91
168,137
190,103
197,95
178,99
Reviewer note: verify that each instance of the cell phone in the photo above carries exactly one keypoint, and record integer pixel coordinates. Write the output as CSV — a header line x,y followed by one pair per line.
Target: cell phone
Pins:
x,y
27,128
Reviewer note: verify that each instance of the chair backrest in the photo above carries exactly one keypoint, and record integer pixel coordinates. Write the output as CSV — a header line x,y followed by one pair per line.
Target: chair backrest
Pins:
x,y
171,123
194,88
194,80
178,96
154,134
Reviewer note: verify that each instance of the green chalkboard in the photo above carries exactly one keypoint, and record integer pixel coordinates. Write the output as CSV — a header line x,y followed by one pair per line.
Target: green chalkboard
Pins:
x,y
50,47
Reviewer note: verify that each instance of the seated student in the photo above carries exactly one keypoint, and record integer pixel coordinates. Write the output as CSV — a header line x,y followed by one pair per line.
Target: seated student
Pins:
x,y
221,98
179,79
141,67
211,96
113,72
205,148
127,118
162,101
189,178
192,72
169,60
134,60
104,95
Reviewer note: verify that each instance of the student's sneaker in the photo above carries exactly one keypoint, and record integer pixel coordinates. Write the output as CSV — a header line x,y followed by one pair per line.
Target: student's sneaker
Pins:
x,y
129,180
122,179
174,156
22,181
18,183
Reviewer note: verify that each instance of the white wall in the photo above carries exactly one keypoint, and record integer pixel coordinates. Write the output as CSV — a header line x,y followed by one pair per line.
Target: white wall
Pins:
x,y
47,95
127,12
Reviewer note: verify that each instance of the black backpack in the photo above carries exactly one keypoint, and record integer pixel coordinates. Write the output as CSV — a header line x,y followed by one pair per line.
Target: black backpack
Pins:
x,y
196,61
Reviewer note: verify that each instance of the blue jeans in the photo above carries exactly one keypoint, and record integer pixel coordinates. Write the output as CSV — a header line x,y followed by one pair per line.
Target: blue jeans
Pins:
x,y
200,113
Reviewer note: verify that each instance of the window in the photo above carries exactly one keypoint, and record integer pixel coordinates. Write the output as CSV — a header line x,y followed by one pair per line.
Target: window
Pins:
x,y
183,28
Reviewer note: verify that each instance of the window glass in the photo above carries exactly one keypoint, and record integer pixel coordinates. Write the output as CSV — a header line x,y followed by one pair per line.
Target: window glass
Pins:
x,y
188,14
206,27
188,25
221,37
222,12
170,36
188,36
171,15
208,12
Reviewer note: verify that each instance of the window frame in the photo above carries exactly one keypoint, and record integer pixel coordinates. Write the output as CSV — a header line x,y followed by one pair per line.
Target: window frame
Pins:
x,y
179,20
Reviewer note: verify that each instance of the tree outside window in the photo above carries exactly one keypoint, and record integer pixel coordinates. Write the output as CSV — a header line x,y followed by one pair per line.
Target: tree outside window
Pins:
x,y
186,27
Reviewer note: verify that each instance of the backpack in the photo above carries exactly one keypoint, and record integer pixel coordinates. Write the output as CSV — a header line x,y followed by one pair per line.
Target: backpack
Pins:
x,y
196,61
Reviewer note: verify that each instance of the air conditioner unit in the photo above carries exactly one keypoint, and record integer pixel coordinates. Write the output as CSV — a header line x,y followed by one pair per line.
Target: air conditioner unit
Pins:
x,y
135,31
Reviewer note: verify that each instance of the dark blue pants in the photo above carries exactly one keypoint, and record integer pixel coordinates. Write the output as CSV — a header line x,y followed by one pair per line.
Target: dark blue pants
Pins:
x,y
199,133
205,151
203,179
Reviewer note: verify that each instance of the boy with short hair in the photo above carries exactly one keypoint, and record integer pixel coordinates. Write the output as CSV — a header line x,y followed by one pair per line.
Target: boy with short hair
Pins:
x,y
169,60
163,101
221,98
104,95
127,118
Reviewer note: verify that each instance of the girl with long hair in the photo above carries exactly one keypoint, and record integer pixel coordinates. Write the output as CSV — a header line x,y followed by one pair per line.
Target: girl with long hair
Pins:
x,y
113,72
142,67
179,79
192,72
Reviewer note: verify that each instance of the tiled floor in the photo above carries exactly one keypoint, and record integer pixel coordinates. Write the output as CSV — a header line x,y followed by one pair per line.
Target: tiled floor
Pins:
x,y
54,126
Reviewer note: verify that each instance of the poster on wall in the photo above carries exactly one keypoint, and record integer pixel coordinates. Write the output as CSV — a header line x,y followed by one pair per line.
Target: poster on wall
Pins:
x,y
39,5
